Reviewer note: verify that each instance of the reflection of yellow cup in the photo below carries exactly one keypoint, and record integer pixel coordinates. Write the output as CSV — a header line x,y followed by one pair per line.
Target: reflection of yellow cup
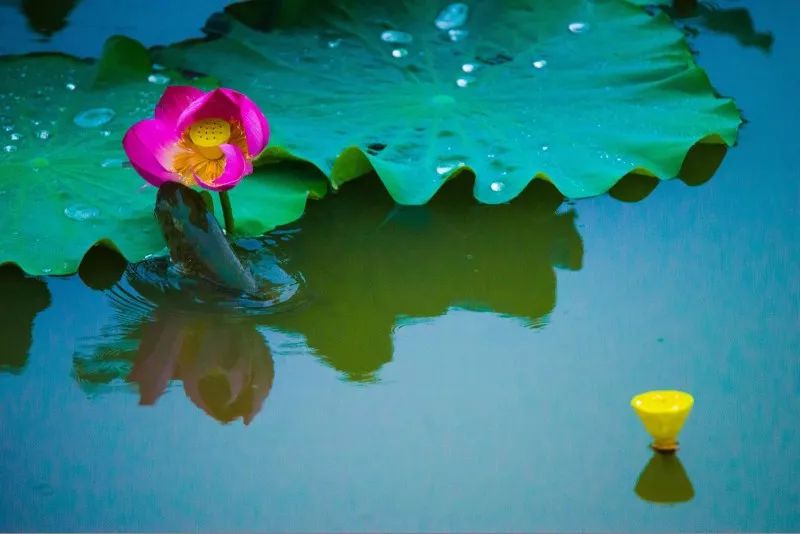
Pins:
x,y
664,480
663,414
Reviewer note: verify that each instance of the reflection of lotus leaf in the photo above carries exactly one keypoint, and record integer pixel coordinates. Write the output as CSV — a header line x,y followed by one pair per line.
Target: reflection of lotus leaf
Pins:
x,y
619,92
735,21
369,263
23,297
47,16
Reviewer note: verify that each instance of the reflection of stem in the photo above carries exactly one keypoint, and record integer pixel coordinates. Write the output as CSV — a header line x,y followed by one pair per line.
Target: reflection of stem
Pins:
x,y
227,212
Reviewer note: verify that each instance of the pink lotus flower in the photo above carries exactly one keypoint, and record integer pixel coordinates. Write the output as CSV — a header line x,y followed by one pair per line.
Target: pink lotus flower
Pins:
x,y
198,138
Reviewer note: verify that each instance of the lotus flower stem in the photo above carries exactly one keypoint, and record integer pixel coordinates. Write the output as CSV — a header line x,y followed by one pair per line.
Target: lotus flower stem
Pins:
x,y
227,212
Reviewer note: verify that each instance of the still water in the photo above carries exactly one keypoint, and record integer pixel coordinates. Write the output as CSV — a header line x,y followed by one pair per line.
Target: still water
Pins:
x,y
452,366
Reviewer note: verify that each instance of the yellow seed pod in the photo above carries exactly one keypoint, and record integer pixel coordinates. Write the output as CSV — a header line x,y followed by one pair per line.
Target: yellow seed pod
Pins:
x,y
210,132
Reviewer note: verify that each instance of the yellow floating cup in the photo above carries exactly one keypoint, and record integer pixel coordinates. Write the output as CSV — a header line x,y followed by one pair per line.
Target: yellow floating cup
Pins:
x,y
663,414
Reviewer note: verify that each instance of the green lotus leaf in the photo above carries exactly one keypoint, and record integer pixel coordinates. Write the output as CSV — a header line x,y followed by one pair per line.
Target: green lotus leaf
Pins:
x,y
577,92
65,184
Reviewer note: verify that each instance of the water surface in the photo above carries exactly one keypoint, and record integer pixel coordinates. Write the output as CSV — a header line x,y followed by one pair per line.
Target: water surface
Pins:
x,y
449,367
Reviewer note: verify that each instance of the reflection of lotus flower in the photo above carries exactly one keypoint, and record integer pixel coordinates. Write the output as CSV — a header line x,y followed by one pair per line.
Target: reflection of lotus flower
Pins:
x,y
198,138
226,368
663,414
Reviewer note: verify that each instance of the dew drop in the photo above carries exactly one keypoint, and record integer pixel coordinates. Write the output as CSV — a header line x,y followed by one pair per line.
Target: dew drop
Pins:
x,y
43,134
71,86
91,118
468,67
497,186
539,64
464,81
394,36
81,212
545,148
113,163
457,35
452,16
578,27
446,167
47,270
159,79
15,136
105,133
399,52
10,148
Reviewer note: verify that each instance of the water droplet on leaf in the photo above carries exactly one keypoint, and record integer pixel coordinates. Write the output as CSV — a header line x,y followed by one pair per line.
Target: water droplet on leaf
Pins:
x,y
399,52
10,148
465,81
539,64
71,86
497,186
91,118
43,134
159,79
578,27
394,36
113,163
446,167
457,35
452,16
468,67
80,212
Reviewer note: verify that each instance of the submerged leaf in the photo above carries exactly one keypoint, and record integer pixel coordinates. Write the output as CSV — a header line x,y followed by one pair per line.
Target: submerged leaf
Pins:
x,y
578,92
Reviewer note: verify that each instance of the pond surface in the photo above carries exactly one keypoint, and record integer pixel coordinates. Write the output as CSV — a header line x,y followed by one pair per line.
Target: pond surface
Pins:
x,y
447,367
